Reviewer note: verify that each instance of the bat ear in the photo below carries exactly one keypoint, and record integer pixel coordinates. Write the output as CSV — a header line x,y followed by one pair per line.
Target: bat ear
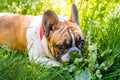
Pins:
x,y
74,15
49,22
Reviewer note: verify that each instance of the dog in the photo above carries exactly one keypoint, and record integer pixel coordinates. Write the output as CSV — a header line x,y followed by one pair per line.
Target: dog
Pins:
x,y
48,38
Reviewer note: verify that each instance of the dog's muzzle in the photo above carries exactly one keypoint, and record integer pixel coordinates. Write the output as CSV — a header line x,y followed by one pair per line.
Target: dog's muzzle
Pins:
x,y
66,57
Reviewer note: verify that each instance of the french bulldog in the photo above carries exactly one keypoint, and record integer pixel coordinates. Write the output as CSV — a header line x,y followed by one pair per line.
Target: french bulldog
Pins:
x,y
48,38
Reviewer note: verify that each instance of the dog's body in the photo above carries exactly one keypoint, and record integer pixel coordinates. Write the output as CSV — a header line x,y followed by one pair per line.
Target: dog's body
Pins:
x,y
24,32
42,36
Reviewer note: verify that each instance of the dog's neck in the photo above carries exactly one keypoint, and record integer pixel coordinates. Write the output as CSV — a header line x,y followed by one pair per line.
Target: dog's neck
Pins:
x,y
45,45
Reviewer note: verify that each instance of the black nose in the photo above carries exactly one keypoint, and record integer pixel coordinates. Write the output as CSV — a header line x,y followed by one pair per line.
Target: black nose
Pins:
x,y
75,50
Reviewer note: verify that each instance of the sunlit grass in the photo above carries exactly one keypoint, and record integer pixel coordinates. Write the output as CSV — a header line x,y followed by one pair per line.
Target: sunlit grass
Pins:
x,y
100,22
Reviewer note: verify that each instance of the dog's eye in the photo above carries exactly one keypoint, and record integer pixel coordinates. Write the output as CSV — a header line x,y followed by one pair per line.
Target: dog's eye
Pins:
x,y
60,47
82,43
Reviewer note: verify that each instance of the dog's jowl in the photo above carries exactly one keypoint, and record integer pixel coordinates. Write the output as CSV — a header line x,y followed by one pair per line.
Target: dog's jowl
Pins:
x,y
48,38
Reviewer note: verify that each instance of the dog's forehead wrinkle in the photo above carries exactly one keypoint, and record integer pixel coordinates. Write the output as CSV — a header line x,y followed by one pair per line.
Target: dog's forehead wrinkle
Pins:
x,y
62,29
72,36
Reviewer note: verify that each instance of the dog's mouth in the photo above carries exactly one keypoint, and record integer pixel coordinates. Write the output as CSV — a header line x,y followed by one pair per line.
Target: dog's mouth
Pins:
x,y
71,53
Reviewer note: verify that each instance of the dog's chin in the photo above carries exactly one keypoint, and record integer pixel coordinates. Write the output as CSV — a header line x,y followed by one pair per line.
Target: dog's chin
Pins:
x,y
65,58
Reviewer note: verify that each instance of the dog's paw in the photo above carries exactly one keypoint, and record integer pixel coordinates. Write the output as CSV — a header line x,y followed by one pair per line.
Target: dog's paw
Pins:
x,y
51,63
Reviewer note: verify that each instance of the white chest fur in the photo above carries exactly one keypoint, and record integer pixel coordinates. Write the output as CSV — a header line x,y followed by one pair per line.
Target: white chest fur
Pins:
x,y
38,49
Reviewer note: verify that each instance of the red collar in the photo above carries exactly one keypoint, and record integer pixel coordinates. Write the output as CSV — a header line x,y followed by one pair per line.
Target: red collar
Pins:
x,y
41,32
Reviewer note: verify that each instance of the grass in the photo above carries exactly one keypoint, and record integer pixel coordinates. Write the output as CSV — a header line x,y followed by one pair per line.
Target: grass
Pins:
x,y
100,22
17,66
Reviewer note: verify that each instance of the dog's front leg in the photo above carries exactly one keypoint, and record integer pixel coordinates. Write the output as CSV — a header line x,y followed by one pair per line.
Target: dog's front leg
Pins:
x,y
37,54
42,60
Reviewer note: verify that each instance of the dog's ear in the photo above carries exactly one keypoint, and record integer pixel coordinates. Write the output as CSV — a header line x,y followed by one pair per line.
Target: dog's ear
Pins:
x,y
74,15
49,22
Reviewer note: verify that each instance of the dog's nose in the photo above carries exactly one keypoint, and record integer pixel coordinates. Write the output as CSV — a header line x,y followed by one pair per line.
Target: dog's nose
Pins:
x,y
75,50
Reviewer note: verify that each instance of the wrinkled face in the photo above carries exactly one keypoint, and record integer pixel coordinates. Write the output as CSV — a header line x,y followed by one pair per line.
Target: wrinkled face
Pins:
x,y
65,39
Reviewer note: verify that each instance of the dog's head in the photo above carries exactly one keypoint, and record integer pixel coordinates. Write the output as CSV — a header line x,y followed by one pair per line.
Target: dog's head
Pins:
x,y
63,37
